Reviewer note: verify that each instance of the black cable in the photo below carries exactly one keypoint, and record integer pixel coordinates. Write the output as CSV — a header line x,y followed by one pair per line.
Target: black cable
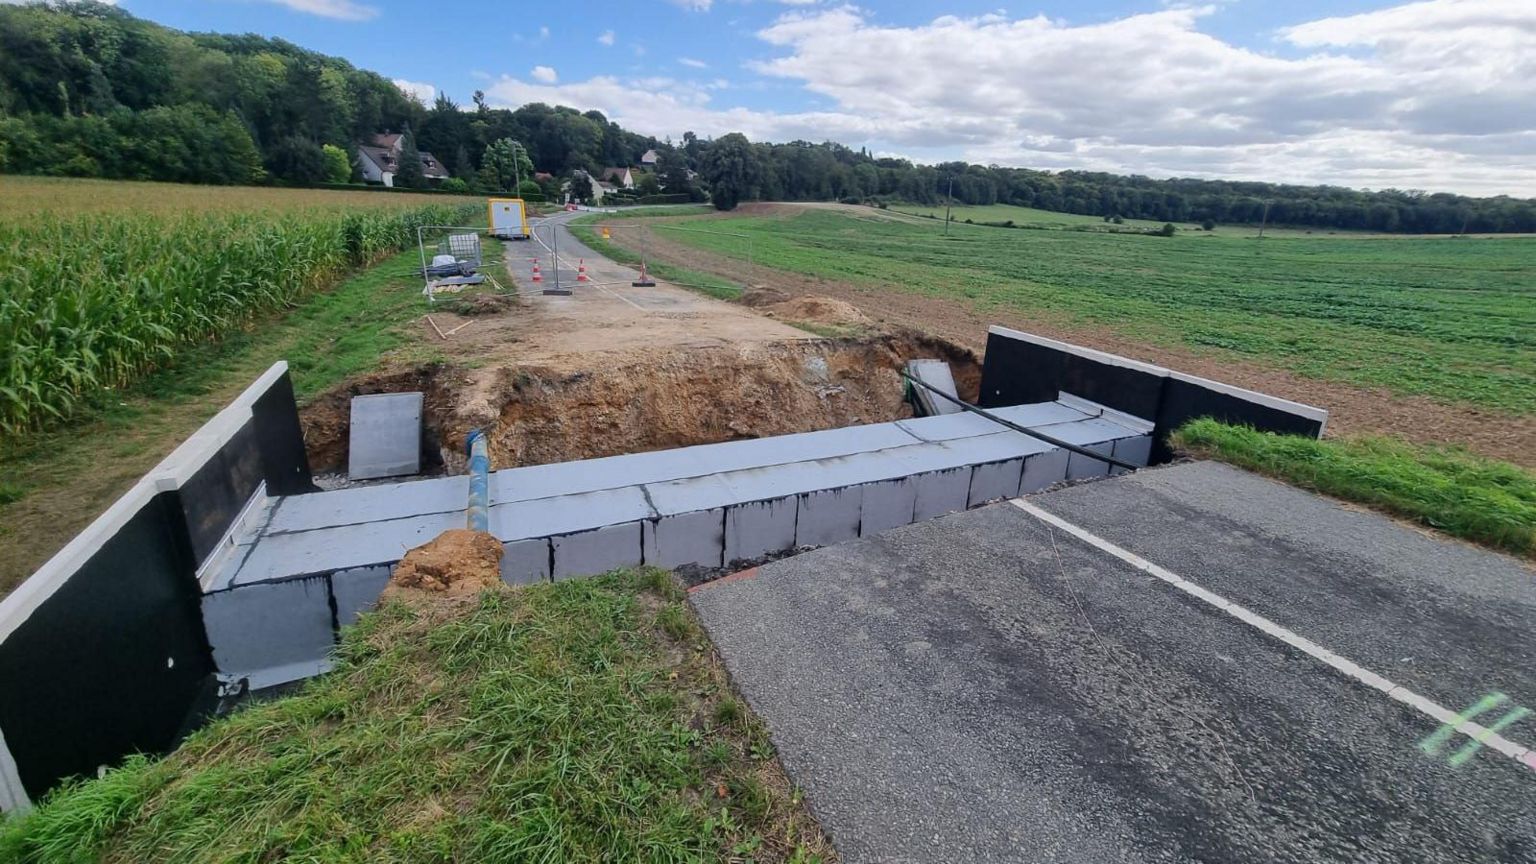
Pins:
x,y
1084,451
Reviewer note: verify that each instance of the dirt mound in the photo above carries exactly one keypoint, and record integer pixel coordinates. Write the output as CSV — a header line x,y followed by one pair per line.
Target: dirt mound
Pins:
x,y
474,305
459,563
818,310
708,395
761,295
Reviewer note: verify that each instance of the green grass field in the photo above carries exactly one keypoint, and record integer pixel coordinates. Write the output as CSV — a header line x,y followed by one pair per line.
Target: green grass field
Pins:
x,y
581,721
1453,319
1048,219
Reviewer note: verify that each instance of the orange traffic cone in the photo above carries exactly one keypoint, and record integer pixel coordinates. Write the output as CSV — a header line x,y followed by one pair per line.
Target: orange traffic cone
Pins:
x,y
537,276
581,270
645,280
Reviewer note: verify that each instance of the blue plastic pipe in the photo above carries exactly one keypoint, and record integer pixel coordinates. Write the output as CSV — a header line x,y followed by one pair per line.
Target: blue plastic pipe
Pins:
x,y
479,481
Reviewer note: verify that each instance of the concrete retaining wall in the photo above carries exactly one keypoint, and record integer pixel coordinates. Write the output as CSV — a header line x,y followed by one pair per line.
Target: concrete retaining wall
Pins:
x,y
1023,368
103,650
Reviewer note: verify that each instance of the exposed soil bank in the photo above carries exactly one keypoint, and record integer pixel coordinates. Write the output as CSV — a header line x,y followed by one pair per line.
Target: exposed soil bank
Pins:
x,y
631,402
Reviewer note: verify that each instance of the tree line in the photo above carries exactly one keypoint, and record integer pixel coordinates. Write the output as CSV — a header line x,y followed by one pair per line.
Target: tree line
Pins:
x,y
88,90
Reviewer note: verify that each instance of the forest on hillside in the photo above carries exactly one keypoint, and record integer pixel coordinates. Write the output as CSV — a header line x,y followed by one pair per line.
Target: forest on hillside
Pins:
x,y
88,90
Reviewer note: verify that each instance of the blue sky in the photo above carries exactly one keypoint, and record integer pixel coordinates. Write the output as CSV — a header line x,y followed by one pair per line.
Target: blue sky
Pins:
x,y
1429,94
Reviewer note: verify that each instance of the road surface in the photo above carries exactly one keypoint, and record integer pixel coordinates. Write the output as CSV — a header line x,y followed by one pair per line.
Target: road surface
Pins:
x,y
1002,685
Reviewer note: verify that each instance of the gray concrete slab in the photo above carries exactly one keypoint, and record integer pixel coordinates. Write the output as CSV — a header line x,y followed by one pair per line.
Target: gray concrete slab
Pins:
x,y
591,552
357,590
271,634
940,492
757,528
338,507
983,688
287,555
384,438
936,374
522,520
1133,450
995,480
686,538
525,562
886,505
829,517
1042,470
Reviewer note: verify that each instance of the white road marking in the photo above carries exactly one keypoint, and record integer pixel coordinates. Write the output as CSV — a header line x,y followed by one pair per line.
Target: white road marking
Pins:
x,y
1440,714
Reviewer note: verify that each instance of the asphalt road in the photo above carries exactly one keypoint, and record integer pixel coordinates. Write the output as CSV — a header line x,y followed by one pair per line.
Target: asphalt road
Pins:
x,y
987,687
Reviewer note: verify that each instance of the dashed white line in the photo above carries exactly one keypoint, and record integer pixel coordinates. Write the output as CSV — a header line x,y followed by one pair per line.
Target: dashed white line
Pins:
x,y
1440,714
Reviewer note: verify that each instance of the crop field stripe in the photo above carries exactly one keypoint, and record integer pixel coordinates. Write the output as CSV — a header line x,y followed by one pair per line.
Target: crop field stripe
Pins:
x,y
95,303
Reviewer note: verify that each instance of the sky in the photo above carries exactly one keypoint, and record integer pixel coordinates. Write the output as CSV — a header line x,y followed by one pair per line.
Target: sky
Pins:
x,y
1435,94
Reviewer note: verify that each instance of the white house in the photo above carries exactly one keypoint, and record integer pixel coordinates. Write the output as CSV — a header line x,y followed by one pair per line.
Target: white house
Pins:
x,y
379,161
648,161
623,178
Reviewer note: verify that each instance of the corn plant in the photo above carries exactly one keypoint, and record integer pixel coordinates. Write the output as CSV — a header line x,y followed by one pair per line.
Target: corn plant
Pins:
x,y
94,303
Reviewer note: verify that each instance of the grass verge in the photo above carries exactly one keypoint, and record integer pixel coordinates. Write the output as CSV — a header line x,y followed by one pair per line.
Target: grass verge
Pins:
x,y
1468,496
582,721
705,283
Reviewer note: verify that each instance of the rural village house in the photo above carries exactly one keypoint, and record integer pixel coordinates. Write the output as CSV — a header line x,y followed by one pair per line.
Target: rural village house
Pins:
x,y
379,161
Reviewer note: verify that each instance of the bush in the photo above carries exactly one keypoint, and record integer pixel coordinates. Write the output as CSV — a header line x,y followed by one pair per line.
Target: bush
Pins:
x,y
1168,230
1208,225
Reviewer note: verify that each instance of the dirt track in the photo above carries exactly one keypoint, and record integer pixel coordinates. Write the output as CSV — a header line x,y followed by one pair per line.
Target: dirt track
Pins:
x,y
1352,410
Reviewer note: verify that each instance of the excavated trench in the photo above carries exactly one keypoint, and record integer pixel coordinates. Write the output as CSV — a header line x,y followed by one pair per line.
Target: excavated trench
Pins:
x,y
630,403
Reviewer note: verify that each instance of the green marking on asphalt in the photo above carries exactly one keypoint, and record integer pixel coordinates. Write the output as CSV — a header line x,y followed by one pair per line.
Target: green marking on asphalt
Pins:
x,y
1471,748
1433,743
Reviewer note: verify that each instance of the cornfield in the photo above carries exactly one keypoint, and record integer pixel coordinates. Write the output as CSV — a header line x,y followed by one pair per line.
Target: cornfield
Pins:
x,y
89,303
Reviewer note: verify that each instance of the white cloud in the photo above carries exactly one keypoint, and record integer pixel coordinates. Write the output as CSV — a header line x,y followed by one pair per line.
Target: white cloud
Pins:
x,y
1427,94
421,92
342,10
695,5
690,62
543,33
544,74
607,37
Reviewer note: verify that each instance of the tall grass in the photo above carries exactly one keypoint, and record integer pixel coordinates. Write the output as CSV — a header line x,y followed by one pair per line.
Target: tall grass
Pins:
x,y
93,303
1469,496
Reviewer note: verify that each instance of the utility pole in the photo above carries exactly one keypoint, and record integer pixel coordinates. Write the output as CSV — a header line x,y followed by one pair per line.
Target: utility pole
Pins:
x,y
1264,221
517,168
949,199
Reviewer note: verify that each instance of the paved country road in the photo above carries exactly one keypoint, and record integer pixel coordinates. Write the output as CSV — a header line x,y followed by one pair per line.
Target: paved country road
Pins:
x,y
993,687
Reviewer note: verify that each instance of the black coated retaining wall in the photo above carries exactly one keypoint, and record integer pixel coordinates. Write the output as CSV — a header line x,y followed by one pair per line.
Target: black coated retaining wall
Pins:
x,y
1022,368
103,651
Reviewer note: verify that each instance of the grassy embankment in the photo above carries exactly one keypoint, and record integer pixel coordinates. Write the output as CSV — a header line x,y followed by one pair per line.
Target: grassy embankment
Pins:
x,y
1467,496
54,481
582,721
